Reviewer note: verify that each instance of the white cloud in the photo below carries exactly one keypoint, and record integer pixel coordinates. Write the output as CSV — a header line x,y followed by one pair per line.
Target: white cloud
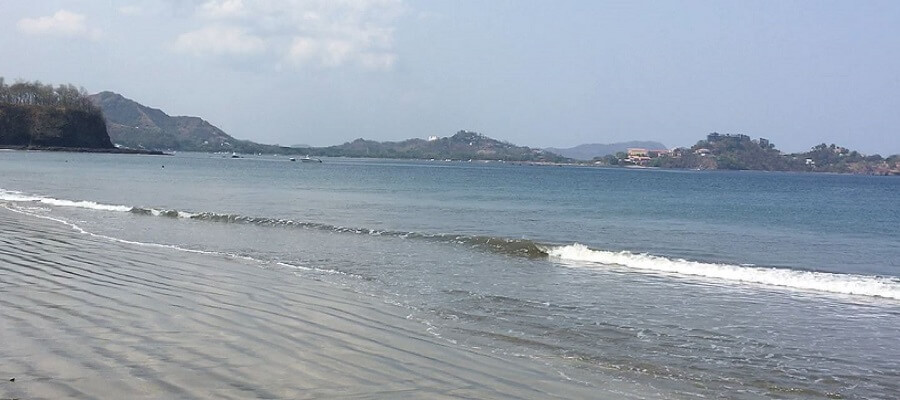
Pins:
x,y
220,40
330,53
299,33
62,23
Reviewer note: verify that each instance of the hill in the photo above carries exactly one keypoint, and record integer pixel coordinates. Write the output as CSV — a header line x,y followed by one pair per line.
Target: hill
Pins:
x,y
464,145
593,150
740,152
34,115
134,125
137,126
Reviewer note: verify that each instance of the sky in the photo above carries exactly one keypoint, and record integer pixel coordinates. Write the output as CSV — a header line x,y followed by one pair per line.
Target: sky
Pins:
x,y
535,73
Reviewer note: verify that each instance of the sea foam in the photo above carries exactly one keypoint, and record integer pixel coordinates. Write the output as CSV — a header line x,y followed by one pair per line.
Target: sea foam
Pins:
x,y
14,196
578,255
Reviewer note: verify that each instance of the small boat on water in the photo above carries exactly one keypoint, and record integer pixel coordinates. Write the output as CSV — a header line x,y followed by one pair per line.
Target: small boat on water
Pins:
x,y
309,159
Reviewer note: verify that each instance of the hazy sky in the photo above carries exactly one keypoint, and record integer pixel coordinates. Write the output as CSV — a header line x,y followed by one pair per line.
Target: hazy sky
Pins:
x,y
537,73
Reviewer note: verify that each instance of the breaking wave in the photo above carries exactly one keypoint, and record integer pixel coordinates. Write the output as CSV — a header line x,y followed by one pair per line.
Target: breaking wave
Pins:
x,y
575,255
583,256
19,197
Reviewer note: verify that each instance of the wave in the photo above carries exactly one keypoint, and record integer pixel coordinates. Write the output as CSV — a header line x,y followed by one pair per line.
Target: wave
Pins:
x,y
575,255
19,197
849,284
514,247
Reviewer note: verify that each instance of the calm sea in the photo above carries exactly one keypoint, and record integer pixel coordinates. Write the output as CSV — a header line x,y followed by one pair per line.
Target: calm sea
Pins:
x,y
716,284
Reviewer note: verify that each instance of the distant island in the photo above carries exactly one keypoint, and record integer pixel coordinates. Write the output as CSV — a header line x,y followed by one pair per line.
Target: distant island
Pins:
x,y
591,151
740,152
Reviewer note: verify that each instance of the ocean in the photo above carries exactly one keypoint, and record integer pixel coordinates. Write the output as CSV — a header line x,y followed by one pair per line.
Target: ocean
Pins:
x,y
639,283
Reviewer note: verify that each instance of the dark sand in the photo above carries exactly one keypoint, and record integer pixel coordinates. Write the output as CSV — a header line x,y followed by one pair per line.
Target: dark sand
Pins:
x,y
87,317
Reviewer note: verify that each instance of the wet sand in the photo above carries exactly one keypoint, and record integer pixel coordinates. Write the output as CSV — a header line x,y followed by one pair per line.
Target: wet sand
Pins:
x,y
86,317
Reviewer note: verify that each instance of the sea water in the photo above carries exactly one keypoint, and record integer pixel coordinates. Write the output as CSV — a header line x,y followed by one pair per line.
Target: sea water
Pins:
x,y
696,283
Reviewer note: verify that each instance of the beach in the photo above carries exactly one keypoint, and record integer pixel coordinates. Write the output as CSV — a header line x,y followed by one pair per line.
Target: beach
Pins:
x,y
86,317
260,278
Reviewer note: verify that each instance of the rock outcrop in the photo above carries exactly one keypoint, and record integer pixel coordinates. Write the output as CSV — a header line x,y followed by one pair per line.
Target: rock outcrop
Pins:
x,y
52,126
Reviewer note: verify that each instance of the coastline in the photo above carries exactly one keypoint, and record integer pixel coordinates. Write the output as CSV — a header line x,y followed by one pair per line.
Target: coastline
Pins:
x,y
88,317
114,150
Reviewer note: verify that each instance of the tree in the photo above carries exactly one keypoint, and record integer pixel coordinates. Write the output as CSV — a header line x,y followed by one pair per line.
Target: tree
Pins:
x,y
38,94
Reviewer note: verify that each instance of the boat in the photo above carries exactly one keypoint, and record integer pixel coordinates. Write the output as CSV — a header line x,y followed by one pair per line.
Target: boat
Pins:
x,y
309,159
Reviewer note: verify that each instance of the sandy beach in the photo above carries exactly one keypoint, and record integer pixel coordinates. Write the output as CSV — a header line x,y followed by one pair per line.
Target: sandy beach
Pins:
x,y
87,317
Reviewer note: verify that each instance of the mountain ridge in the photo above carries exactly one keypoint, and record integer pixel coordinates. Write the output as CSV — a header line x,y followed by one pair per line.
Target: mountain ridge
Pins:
x,y
134,125
464,145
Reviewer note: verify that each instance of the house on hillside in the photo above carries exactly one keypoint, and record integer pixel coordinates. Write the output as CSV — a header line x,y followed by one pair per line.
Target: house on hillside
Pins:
x,y
637,156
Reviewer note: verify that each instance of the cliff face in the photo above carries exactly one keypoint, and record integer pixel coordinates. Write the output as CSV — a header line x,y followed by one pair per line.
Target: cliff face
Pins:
x,y
50,126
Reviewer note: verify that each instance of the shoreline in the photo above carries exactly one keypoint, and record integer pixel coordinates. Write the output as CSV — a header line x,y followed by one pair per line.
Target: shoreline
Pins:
x,y
114,150
83,316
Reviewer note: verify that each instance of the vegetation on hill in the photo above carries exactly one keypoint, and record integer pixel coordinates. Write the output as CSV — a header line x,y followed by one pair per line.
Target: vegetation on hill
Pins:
x,y
740,152
464,145
36,115
137,126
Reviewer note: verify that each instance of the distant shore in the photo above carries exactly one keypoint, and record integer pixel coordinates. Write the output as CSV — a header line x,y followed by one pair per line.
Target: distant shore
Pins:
x,y
114,150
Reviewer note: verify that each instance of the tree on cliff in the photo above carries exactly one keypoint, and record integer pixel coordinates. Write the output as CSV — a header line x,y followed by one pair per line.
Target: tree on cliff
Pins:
x,y
38,94
33,114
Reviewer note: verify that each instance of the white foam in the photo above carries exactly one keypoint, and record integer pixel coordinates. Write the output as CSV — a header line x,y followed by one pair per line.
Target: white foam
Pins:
x,y
850,284
316,269
84,204
14,196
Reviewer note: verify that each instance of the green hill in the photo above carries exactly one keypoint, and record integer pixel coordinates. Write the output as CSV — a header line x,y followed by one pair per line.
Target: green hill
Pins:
x,y
464,145
740,152
134,125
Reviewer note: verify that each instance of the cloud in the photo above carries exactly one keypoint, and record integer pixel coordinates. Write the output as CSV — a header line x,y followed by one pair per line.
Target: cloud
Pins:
x,y
62,23
302,33
331,53
220,40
